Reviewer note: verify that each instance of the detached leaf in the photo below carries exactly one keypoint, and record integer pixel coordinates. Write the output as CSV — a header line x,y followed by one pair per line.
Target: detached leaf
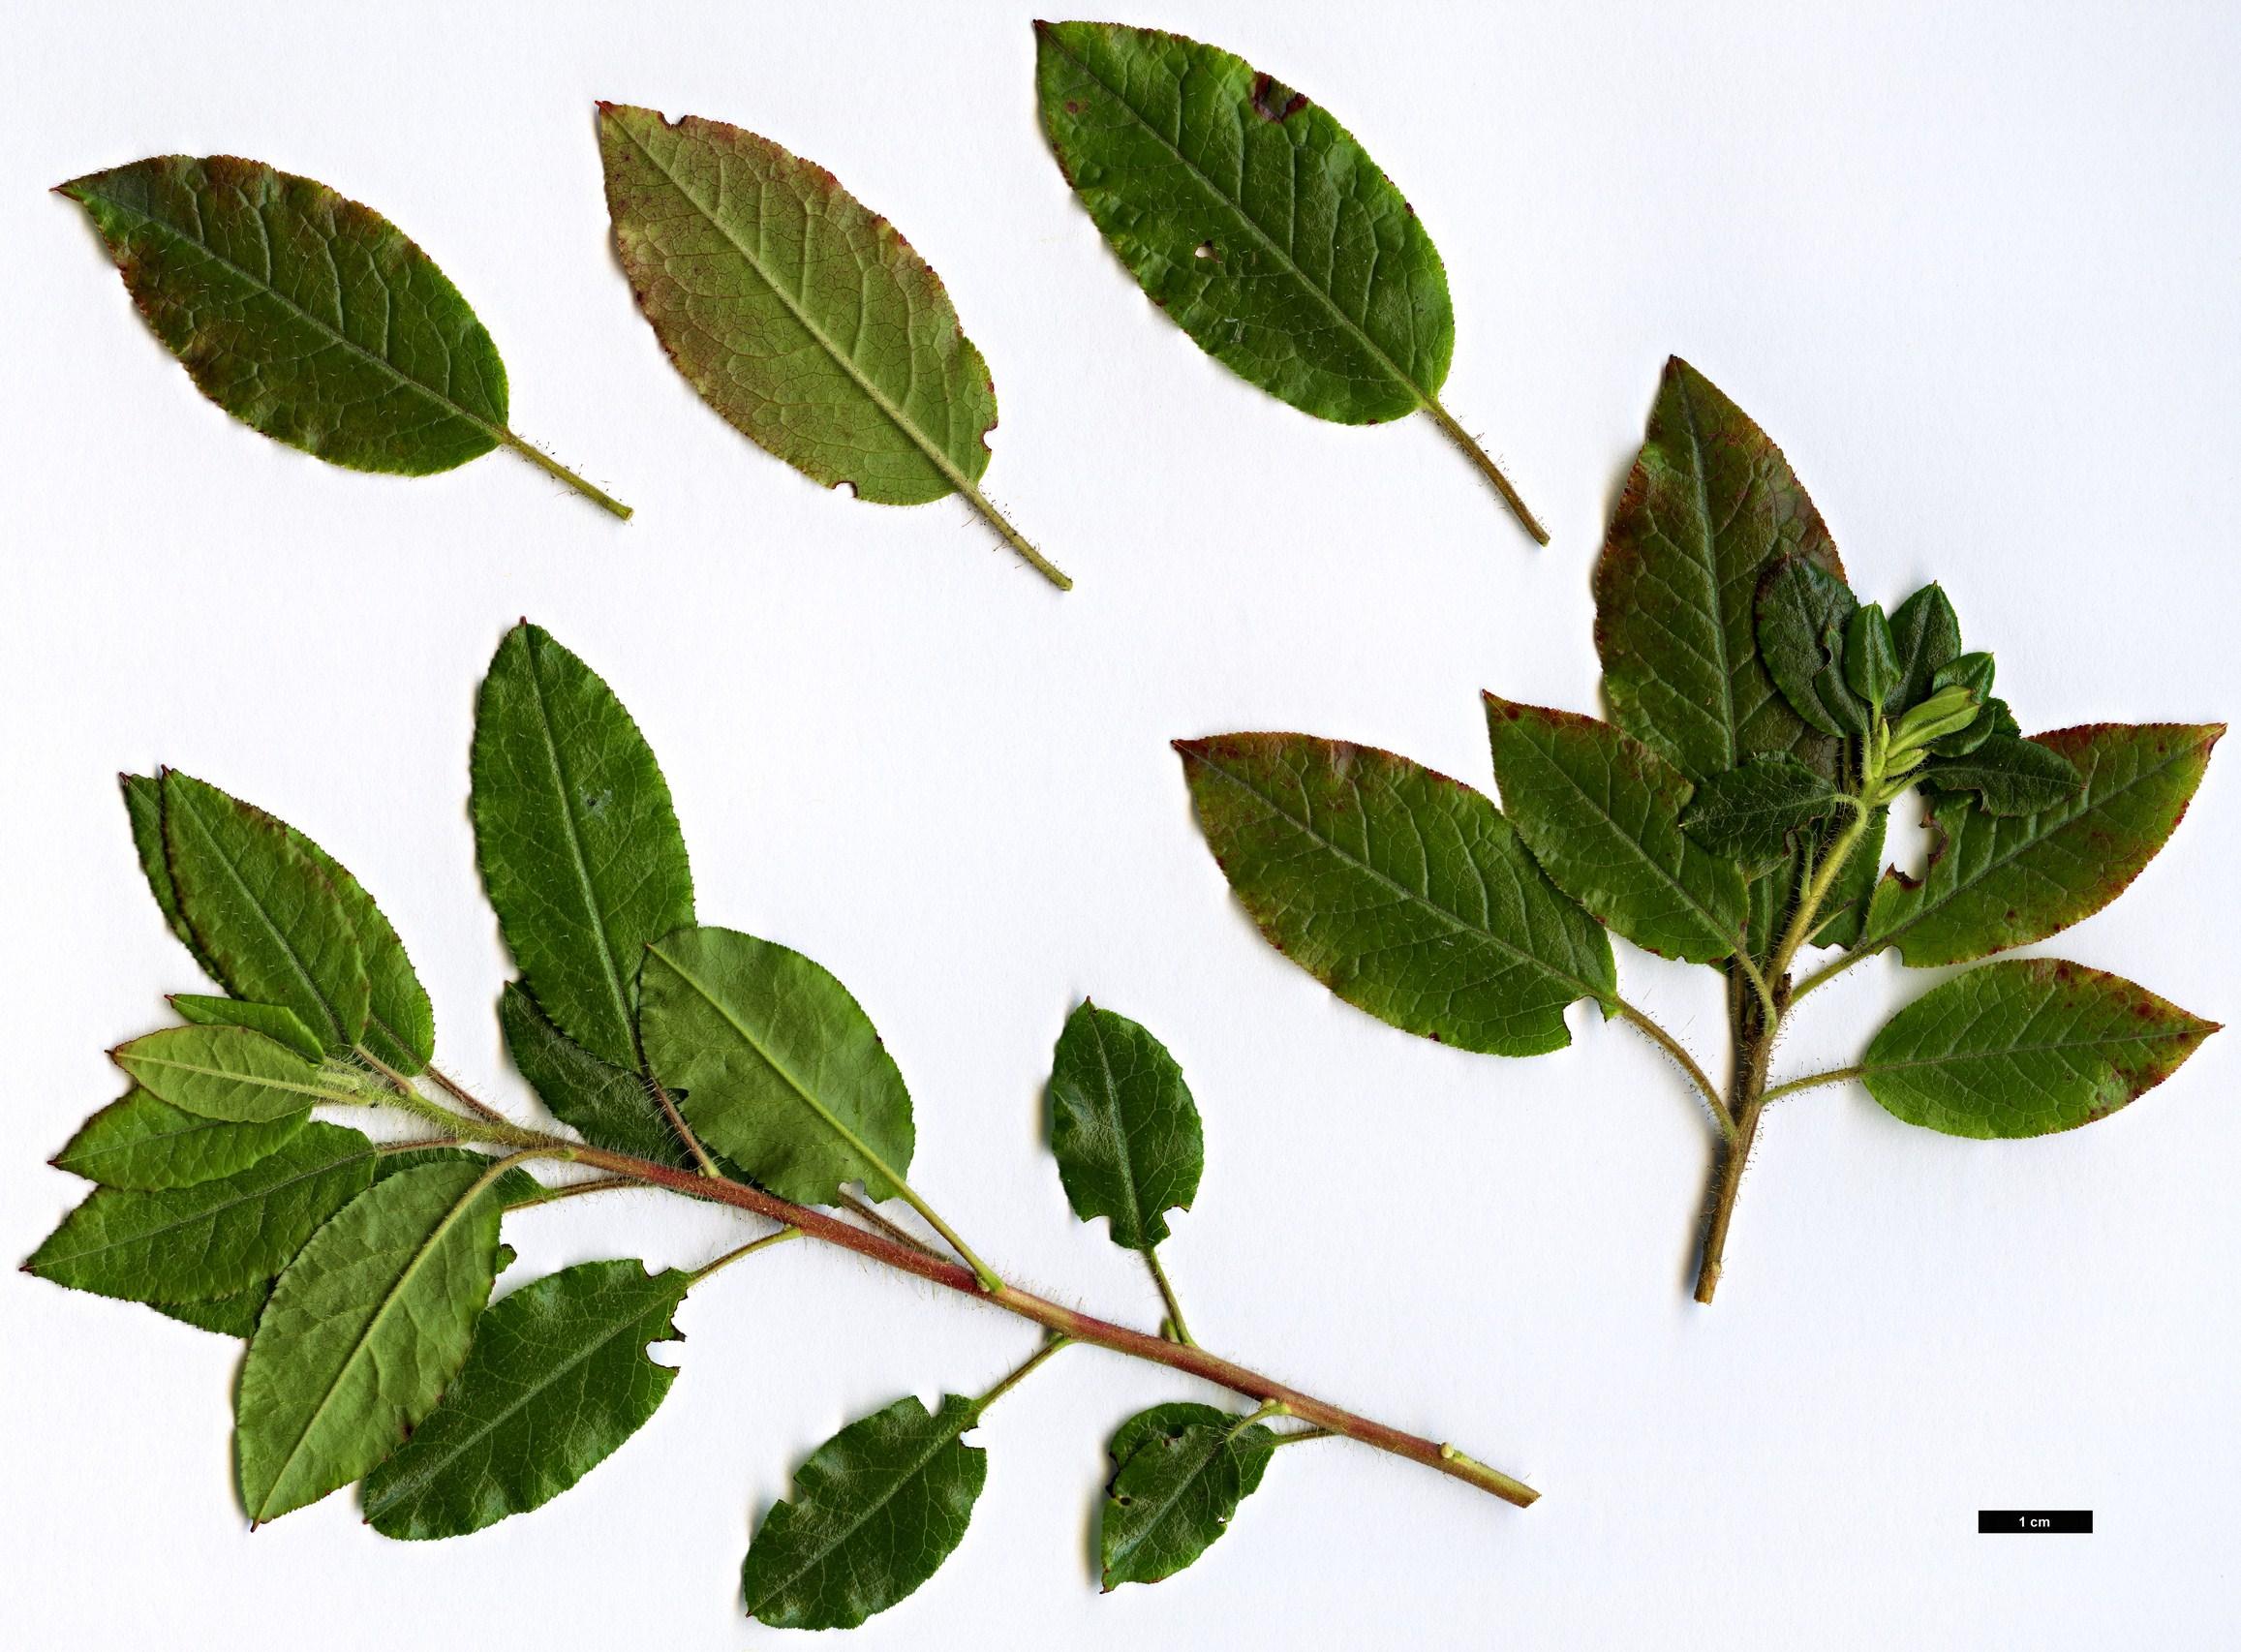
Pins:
x,y
1602,813
363,1332
228,1316
225,1072
143,796
1994,883
557,1379
212,1239
263,912
799,314
2011,775
781,1068
147,1144
1750,815
1709,504
580,848
1124,1127
875,1511
1404,892
1180,1472
305,316
606,1105
1803,613
2026,1046
272,1021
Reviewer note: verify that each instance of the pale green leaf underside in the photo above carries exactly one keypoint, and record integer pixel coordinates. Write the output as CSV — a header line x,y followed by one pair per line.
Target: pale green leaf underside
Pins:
x,y
1180,1472
225,1072
275,1022
1124,1127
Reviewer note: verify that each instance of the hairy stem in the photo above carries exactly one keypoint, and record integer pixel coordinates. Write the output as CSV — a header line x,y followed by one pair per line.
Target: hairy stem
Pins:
x,y
1816,889
1011,535
552,468
1830,970
1836,1076
747,1249
677,1123
1679,1051
1493,472
1167,1296
885,1226
1020,1375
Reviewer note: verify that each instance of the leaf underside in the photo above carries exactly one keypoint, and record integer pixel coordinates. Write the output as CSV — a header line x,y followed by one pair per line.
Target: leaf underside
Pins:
x,y
1404,892
224,1072
1124,1127
1252,217
798,313
1180,1472
308,317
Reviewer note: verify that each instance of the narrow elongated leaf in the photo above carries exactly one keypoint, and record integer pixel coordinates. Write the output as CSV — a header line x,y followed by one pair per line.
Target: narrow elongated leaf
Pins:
x,y
145,1143
1804,612
1602,814
2009,774
1404,892
1750,815
143,796
1709,504
580,844
1179,1473
271,1019
875,1511
225,1072
781,1069
212,1239
400,1023
557,1379
1845,907
263,912
1124,1126
1994,882
228,1316
363,1331
606,1105
2025,1047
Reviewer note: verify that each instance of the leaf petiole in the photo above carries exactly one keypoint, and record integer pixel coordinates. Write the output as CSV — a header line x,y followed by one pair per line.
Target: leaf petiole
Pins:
x,y
747,1249
553,468
1183,1334
1493,472
1051,1346
1834,1076
1679,1053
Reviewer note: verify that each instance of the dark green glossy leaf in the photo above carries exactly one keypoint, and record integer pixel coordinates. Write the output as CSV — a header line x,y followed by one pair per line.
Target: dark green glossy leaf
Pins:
x,y
875,1511
263,912
606,1105
1750,813
1996,882
1925,636
305,316
1844,909
147,1144
1179,1473
780,1070
1124,1126
2025,1047
1252,217
225,1072
1709,504
1404,892
1602,814
228,1316
271,1019
2009,776
145,807
212,1239
1804,612
364,1330
557,1379
580,848
400,1024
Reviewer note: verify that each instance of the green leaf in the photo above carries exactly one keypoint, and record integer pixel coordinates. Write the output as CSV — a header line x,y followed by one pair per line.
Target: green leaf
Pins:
x,y
147,1144
606,1105
306,316
1926,638
1602,814
1180,1472
781,1069
875,1511
557,1379
228,1316
225,1072
1751,814
1844,909
271,1019
1804,612
1871,670
400,1023
263,912
364,1330
2025,1047
145,807
2010,775
580,848
1994,882
1404,892
212,1239
1709,504
1124,1126
1973,672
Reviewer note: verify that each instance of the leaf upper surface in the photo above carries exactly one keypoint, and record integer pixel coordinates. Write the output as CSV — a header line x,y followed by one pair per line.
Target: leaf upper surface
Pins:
x,y
557,1379
782,1069
800,314
1124,1126
226,1316
2009,774
143,796
306,316
1404,892
2026,1046
1751,814
1709,504
606,1105
875,1511
400,1023
225,1072
1997,882
145,1143
1252,217
1602,812
1180,1472
1803,611
364,1330
579,844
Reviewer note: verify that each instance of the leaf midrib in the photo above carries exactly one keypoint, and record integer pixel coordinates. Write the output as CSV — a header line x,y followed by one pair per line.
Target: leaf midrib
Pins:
x,y
1123,1148
1423,395
257,1079
1952,1059
1730,734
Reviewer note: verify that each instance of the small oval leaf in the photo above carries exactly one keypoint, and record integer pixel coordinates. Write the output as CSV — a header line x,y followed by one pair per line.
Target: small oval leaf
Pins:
x,y
1124,1127
1179,1473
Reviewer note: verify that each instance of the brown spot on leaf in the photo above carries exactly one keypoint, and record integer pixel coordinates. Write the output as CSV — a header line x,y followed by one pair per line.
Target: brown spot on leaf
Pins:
x,y
1273,101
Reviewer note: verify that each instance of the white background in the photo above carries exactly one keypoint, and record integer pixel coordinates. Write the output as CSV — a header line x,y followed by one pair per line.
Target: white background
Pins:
x,y
1975,273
